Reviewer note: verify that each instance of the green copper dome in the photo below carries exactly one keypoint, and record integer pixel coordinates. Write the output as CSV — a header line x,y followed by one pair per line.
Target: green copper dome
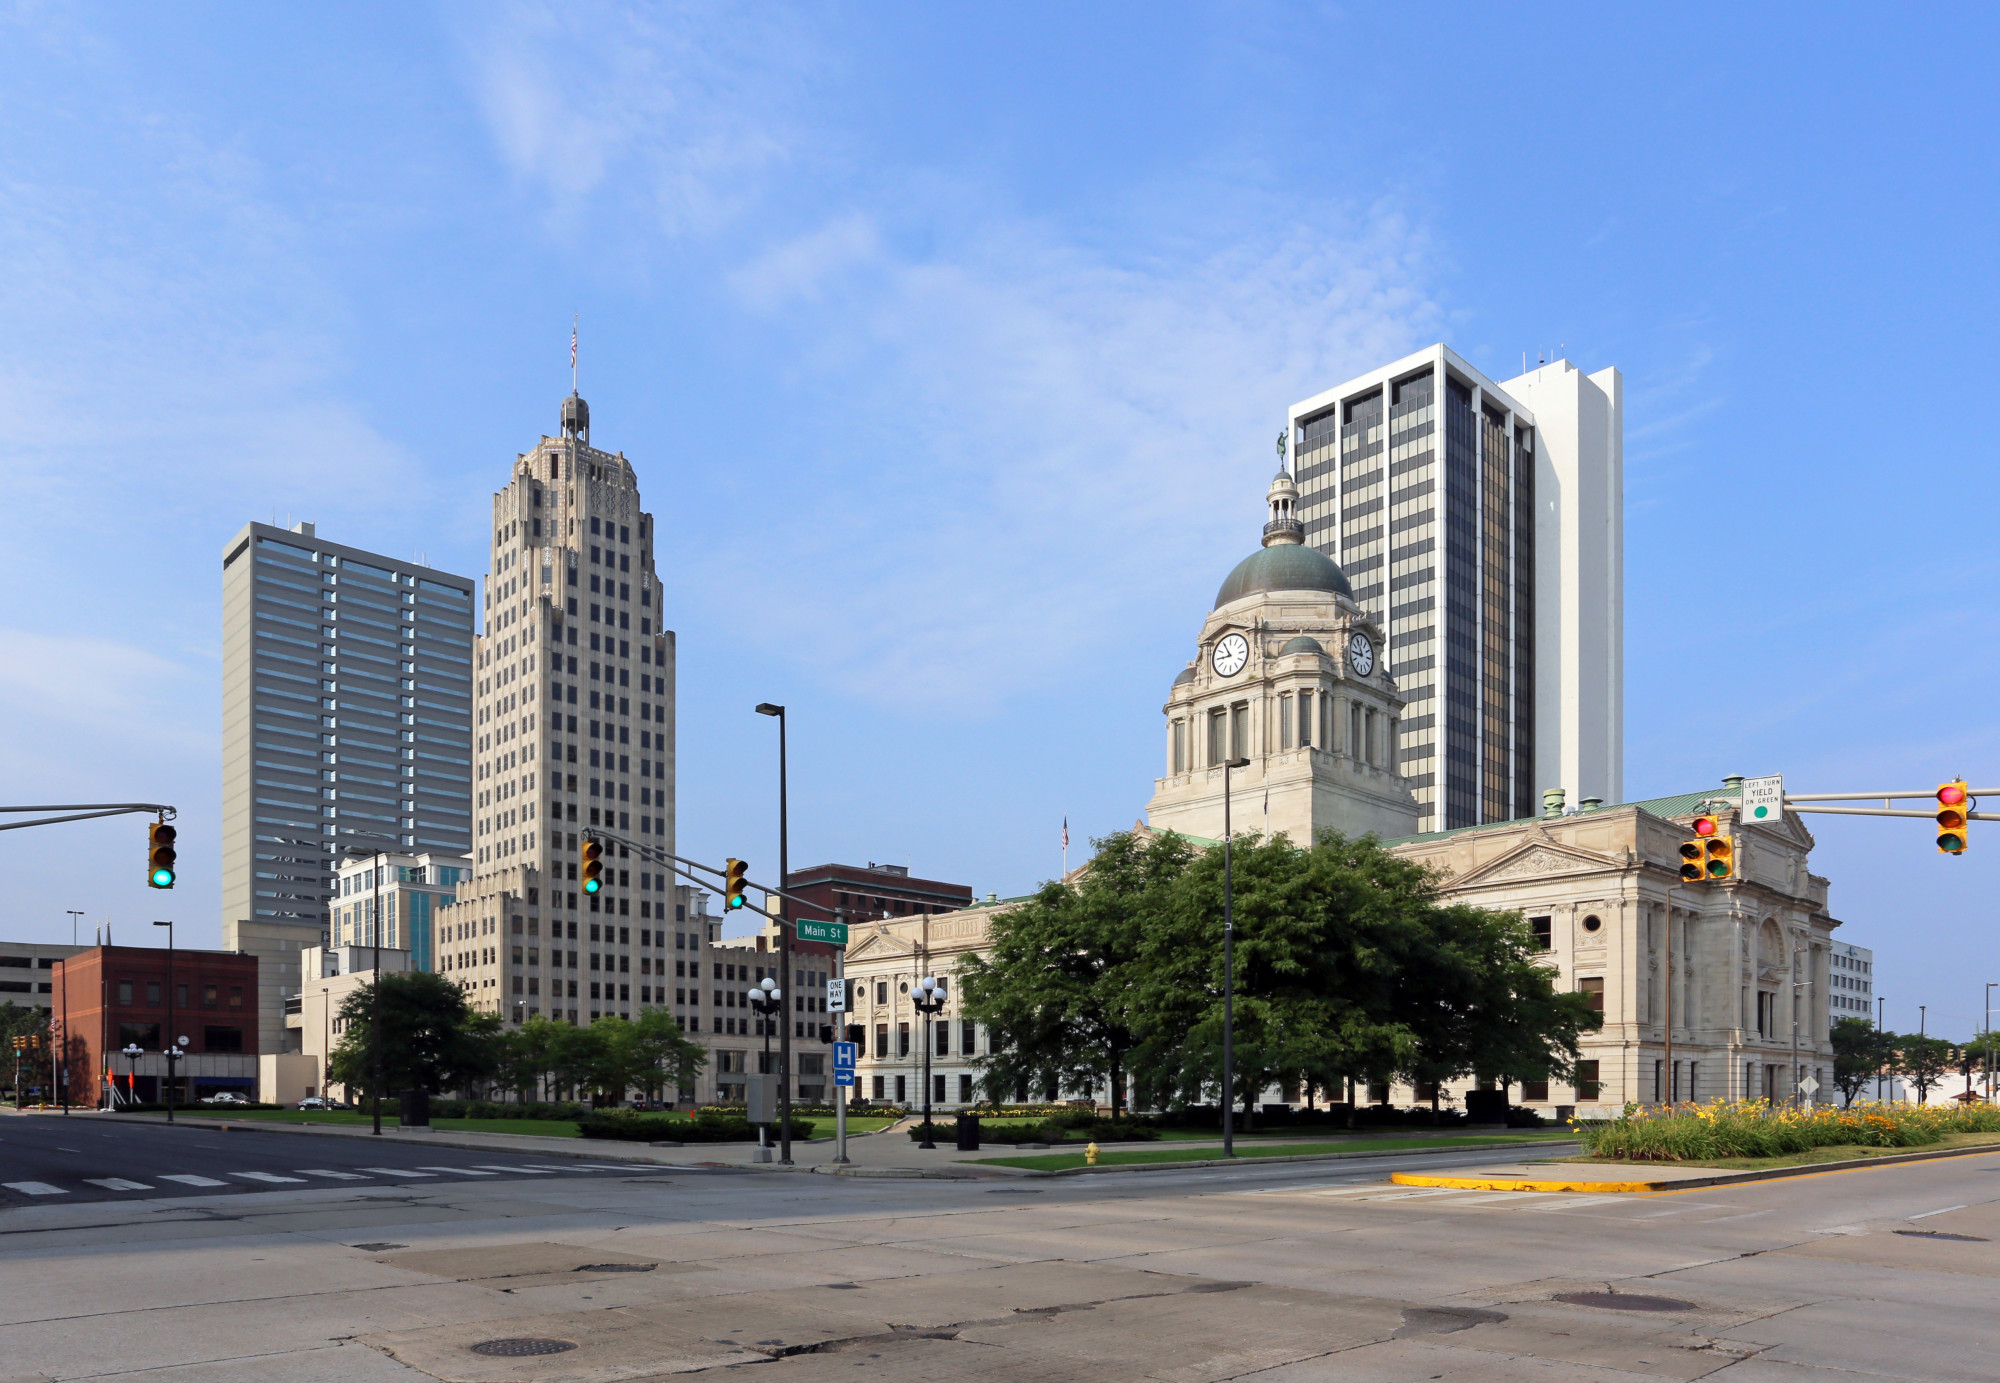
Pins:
x,y
1284,567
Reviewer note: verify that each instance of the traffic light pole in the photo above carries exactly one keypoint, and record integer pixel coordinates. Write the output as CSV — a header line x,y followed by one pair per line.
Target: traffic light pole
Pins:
x,y
86,811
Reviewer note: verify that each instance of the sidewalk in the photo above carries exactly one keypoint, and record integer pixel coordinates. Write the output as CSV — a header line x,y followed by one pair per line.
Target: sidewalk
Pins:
x,y
1640,1177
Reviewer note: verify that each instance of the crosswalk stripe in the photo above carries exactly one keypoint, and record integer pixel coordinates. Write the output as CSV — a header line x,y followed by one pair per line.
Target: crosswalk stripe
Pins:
x,y
397,1172
272,1177
189,1179
327,1172
34,1188
461,1171
496,1167
118,1184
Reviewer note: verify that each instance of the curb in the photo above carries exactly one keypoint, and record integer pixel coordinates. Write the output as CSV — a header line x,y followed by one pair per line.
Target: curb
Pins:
x,y
1259,1161
1721,1178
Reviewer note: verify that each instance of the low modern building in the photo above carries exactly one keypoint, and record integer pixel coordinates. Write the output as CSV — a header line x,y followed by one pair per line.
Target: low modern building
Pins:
x,y
27,972
312,1018
147,997
393,900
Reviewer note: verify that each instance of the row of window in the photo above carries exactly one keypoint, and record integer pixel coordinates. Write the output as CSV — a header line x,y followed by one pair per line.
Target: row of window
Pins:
x,y
212,996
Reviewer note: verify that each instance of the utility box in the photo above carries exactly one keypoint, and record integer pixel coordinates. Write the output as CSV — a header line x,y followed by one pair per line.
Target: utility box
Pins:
x,y
416,1110
760,1093
1486,1107
968,1133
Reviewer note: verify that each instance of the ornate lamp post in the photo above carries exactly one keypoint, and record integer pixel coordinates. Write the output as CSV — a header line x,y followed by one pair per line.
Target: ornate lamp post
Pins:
x,y
1228,968
133,1051
767,997
929,999
768,708
171,1052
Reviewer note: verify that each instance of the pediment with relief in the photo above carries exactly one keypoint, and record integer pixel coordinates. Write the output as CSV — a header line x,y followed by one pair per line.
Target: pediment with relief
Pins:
x,y
1535,860
879,946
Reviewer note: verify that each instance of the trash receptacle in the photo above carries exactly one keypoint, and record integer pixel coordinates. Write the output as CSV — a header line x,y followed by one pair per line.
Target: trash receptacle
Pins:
x,y
416,1109
968,1133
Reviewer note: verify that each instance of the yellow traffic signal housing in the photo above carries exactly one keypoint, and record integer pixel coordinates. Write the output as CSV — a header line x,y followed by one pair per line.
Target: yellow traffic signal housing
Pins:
x,y
1719,861
591,865
1710,855
160,855
733,883
1691,861
1954,811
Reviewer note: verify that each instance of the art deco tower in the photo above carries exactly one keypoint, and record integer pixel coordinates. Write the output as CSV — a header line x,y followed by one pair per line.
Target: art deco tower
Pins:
x,y
573,727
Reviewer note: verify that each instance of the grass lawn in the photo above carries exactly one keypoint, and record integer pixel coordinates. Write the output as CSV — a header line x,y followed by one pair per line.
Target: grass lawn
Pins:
x,y
542,1128
1052,1162
856,1123
1837,1152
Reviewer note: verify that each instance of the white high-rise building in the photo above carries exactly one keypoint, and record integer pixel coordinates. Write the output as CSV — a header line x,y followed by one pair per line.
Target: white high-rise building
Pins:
x,y
573,727
346,721
1481,526
1851,983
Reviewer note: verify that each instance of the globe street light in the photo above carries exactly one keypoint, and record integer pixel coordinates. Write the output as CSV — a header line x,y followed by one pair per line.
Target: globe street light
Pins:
x,y
173,1051
133,1051
1228,969
767,998
929,998
767,708
170,1016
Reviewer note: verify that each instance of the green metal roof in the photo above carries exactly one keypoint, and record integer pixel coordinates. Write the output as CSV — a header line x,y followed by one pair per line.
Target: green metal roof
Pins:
x,y
1682,804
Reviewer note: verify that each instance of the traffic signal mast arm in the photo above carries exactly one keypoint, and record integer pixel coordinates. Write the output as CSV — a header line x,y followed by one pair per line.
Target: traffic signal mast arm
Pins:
x,y
86,811
681,866
1793,803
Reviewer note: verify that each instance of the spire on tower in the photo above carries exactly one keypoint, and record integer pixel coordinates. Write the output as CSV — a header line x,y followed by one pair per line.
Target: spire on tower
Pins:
x,y
1283,527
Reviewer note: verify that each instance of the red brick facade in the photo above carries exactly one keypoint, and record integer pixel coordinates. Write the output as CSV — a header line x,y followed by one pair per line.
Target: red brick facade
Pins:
x,y
109,996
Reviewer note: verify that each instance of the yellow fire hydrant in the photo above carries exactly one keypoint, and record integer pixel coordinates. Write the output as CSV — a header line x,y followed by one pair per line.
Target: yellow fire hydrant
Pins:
x,y
1090,1154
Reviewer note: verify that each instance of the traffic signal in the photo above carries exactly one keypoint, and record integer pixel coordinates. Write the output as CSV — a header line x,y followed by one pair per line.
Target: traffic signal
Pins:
x,y
733,883
1710,855
826,1033
856,1034
1953,809
592,859
160,855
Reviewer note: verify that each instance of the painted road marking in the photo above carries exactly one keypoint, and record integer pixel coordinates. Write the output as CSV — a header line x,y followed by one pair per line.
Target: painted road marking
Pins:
x,y
1946,1211
325,1172
496,1167
34,1188
460,1171
189,1179
118,1184
396,1172
271,1177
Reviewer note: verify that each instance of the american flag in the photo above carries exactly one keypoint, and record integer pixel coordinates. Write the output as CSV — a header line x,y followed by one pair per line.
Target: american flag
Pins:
x,y
572,346
1065,832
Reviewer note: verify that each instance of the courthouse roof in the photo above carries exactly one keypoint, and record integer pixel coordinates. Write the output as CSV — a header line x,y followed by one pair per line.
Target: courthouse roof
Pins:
x,y
1681,804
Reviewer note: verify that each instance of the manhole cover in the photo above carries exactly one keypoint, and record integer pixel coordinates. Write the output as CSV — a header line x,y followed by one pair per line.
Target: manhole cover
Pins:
x,y
515,1349
1940,1234
1625,1301
616,1268
377,1248
843,1286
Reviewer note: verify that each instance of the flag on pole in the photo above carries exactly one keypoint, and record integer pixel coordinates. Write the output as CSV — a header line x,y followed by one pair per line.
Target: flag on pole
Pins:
x,y
572,347
1065,831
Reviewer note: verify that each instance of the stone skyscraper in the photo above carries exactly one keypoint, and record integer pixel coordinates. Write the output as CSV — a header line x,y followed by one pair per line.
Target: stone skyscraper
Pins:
x,y
573,727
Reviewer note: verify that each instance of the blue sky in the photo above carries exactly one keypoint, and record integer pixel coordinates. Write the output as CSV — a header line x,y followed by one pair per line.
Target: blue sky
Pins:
x,y
949,342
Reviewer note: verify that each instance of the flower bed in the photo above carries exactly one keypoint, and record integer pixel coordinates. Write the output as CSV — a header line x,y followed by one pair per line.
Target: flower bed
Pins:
x,y
1755,1128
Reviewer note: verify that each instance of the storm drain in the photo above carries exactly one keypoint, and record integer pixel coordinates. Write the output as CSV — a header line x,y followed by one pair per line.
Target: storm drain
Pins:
x,y
615,1268
1444,1320
377,1248
519,1348
1940,1234
1625,1301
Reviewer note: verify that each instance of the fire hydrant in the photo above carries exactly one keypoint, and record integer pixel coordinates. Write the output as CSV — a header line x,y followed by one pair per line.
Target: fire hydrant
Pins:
x,y
1090,1154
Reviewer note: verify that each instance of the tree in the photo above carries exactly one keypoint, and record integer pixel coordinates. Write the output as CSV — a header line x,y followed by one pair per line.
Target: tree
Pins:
x,y
1058,984
1860,1051
1923,1061
431,1038
523,1057
663,1054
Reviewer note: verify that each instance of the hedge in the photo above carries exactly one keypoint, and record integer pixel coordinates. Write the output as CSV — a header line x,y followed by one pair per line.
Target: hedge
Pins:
x,y
705,1127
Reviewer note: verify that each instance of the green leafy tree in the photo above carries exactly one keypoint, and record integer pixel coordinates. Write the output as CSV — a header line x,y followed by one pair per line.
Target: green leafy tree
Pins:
x,y
1058,985
663,1055
1860,1052
431,1038
1924,1061
524,1057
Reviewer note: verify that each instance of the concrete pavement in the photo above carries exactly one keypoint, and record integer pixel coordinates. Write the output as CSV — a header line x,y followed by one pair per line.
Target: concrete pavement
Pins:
x,y
1311,1273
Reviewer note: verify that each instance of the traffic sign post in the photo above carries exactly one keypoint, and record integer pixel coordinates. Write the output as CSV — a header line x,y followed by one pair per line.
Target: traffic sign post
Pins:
x,y
1764,799
843,1078
832,932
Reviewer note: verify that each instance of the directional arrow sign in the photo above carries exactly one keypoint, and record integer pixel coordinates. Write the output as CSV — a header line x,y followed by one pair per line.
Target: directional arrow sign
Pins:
x,y
1808,1085
834,932
843,1063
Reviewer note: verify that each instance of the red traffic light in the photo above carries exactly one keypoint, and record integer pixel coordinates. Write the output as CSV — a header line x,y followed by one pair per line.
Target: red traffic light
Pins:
x,y
1705,826
1953,802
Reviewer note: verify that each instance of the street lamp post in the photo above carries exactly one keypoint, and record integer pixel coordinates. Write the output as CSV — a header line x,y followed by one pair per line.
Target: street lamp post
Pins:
x,y
133,1051
1797,985
928,1000
374,989
168,1045
1228,967
1989,1040
767,708
1881,1069
767,997
61,1072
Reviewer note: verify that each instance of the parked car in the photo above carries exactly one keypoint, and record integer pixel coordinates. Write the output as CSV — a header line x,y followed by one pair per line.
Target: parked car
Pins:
x,y
319,1102
225,1097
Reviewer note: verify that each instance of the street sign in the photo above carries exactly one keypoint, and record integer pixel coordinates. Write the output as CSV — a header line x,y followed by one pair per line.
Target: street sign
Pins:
x,y
1764,799
1808,1085
836,995
843,1063
834,932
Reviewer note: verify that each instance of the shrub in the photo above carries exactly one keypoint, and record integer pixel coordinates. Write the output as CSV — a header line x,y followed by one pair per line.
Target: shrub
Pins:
x,y
493,1109
705,1126
1756,1128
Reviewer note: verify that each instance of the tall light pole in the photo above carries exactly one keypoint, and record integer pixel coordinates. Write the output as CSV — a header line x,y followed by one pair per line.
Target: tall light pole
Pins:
x,y
1881,1068
1228,967
767,997
928,999
766,708
167,1046
374,990
1989,1040
61,1073
1797,985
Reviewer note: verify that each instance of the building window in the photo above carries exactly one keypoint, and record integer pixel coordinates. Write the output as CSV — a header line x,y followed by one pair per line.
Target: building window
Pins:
x,y
1586,1080
1218,730
902,1090
1305,719
1356,749
1592,922
124,991
1592,988
876,1087
902,1045
1239,730
1534,1092
1180,747
1284,721
1544,930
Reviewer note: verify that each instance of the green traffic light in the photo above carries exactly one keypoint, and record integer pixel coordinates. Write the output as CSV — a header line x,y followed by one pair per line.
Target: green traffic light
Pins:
x,y
737,901
591,885
1951,843
163,878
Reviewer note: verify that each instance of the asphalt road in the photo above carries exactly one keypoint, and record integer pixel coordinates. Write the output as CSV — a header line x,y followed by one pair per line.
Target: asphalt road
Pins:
x,y
1294,1273
49,1158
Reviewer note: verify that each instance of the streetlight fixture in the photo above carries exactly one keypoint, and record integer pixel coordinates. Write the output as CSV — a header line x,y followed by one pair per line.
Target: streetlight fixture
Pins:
x,y
169,1046
374,987
1881,1069
767,997
133,1051
928,999
1228,967
1989,1039
768,708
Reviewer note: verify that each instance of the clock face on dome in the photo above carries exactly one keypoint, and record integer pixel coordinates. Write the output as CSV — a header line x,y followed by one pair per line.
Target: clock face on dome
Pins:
x,y
1361,655
1232,651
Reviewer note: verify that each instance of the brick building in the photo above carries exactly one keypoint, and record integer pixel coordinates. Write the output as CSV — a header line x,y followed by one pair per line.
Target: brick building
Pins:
x,y
117,996
852,893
